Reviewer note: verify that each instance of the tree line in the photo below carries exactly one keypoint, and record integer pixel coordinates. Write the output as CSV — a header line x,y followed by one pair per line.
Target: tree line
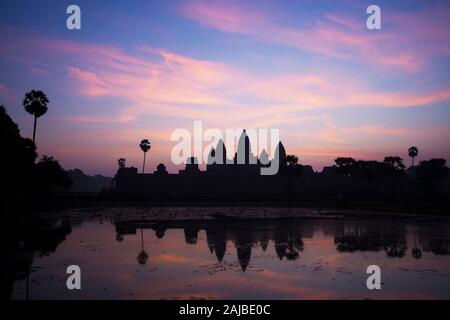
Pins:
x,y
429,173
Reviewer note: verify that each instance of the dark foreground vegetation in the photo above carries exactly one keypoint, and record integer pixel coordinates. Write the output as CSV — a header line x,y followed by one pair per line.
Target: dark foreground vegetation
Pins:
x,y
25,184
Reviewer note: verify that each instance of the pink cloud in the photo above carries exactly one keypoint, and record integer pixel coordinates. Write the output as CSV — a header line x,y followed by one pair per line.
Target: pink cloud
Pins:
x,y
314,92
343,21
336,35
155,82
225,16
100,119
181,86
159,82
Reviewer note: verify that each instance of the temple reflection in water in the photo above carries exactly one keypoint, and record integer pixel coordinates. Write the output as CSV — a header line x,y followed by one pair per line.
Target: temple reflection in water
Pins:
x,y
288,236
245,235
275,240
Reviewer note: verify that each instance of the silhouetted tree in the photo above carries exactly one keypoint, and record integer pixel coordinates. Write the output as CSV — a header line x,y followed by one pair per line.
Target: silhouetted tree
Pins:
x,y
345,166
161,169
371,170
291,160
294,168
21,152
50,174
48,177
16,165
394,169
121,162
21,179
35,103
431,172
412,153
145,147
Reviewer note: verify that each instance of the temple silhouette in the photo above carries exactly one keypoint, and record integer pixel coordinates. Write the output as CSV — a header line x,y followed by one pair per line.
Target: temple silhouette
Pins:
x,y
237,178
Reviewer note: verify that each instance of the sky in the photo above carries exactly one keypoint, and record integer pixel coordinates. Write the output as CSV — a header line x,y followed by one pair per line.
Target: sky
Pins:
x,y
312,69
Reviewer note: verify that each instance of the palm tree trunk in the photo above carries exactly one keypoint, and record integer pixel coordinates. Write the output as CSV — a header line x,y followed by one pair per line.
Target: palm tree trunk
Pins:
x,y
143,165
34,129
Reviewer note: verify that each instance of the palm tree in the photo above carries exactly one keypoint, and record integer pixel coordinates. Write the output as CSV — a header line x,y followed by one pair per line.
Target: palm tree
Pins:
x,y
145,146
121,162
413,152
35,103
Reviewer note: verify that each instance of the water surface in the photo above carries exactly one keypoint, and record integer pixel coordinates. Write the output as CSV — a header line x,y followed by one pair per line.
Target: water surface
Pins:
x,y
139,258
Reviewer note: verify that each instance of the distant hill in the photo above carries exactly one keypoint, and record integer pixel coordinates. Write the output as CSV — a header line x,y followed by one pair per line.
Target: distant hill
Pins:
x,y
86,183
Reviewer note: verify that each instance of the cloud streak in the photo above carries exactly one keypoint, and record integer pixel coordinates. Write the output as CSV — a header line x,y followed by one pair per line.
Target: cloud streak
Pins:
x,y
152,87
336,35
154,81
